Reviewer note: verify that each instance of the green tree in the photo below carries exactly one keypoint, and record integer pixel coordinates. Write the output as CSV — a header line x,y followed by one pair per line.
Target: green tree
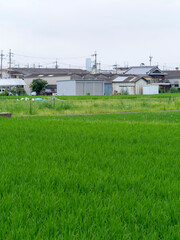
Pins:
x,y
37,85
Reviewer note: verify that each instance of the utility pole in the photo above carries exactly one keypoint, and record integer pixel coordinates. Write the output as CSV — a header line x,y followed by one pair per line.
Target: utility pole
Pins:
x,y
95,61
2,57
56,62
150,60
10,58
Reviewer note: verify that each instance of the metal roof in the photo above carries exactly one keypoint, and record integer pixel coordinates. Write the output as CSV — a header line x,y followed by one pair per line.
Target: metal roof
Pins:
x,y
120,79
12,82
145,71
139,70
27,72
128,79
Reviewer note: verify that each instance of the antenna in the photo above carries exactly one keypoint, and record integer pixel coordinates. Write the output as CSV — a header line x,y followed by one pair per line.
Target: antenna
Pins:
x,y
150,59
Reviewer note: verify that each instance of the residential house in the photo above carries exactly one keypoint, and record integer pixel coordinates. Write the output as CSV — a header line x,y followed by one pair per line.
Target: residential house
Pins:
x,y
151,73
129,85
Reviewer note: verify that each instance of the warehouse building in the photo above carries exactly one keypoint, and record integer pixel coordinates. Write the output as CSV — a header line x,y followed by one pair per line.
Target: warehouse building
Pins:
x,y
80,87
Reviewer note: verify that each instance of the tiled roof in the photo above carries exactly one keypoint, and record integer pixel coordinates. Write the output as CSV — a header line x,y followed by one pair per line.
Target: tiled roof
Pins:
x,y
144,71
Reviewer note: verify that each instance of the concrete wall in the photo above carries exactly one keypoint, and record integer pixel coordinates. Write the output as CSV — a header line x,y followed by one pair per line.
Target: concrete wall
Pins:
x,y
66,88
151,89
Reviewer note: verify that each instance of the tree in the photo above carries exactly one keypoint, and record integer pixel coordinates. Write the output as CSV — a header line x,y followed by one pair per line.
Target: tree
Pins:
x,y
37,85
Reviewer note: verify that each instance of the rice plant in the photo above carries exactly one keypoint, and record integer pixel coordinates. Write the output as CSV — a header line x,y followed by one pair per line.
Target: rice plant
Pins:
x,y
90,177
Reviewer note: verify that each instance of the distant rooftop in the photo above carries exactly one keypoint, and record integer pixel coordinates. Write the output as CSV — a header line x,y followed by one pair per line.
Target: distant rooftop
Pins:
x,y
173,74
27,72
145,71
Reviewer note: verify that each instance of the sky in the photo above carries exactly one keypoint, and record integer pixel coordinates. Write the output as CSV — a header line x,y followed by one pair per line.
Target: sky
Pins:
x,y
123,32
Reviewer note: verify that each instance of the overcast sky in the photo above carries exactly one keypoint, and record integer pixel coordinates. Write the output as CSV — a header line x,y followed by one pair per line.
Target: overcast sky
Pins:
x,y
122,31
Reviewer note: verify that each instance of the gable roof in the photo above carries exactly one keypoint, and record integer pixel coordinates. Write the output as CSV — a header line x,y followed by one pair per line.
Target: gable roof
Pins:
x,y
145,71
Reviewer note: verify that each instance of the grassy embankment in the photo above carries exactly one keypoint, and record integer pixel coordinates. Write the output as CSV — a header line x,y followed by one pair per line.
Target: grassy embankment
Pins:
x,y
91,104
90,177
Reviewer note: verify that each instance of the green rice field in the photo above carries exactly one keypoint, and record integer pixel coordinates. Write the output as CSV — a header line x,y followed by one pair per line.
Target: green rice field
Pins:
x,y
90,177
90,104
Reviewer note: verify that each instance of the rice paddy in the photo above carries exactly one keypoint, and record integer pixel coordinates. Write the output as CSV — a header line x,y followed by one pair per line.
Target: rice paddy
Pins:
x,y
90,104
90,177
